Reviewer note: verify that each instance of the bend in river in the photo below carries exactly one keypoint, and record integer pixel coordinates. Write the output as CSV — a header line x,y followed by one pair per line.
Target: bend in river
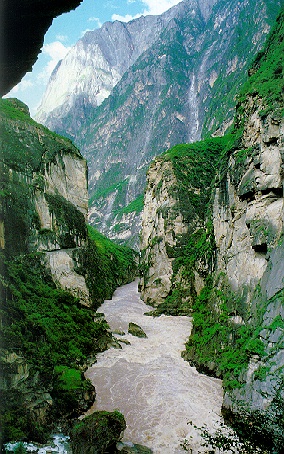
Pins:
x,y
149,382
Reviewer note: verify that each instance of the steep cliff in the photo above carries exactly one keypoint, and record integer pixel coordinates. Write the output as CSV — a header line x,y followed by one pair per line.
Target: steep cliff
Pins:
x,y
234,260
54,272
178,190
170,72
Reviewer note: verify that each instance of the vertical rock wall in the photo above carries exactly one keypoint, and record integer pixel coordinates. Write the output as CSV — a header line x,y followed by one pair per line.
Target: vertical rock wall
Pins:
x,y
161,224
238,315
43,212
248,229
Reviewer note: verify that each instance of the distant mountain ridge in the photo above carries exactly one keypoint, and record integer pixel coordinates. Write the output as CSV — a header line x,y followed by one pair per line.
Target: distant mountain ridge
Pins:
x,y
181,72
98,61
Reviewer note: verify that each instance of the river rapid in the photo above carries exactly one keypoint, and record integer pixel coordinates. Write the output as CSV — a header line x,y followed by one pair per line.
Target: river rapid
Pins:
x,y
148,381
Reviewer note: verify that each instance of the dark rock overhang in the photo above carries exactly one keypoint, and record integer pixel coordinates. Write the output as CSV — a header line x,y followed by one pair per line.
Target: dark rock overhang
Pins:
x,y
23,26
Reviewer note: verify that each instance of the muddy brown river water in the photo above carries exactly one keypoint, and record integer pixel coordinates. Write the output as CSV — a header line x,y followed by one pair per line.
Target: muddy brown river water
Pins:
x,y
149,382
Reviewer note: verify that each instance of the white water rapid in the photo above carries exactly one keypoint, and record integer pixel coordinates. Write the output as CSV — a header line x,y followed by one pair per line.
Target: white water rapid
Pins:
x,y
148,381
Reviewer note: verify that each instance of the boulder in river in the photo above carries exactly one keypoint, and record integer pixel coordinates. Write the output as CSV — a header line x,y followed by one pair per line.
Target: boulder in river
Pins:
x,y
97,433
131,448
136,330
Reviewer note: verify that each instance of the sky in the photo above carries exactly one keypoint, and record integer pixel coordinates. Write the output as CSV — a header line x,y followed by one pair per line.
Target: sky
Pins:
x,y
68,28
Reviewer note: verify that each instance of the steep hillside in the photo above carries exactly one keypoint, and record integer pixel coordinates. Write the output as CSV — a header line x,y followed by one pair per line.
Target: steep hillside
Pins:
x,y
169,94
227,269
54,273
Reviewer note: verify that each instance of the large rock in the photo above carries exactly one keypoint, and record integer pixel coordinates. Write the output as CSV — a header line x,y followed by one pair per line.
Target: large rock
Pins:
x,y
97,433
162,223
53,180
43,232
238,329
136,330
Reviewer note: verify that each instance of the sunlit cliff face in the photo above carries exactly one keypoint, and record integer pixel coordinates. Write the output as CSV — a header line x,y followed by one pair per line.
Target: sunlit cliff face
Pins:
x,y
248,213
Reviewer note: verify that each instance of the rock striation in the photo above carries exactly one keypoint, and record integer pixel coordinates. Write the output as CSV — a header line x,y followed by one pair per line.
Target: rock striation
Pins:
x,y
178,189
248,229
146,86
57,182
158,231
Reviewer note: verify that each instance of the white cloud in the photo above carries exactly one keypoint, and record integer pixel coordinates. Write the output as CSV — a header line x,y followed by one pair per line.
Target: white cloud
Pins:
x,y
158,6
126,18
96,20
20,87
55,51
62,38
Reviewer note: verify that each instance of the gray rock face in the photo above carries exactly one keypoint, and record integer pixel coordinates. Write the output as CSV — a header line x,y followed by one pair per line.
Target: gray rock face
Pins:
x,y
67,177
95,65
243,295
43,218
248,226
162,223
161,83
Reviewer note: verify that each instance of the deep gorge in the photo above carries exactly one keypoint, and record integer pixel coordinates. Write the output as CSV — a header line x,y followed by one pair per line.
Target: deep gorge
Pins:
x,y
211,252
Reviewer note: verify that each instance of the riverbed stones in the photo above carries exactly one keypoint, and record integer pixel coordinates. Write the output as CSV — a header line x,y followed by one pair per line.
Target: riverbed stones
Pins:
x,y
136,330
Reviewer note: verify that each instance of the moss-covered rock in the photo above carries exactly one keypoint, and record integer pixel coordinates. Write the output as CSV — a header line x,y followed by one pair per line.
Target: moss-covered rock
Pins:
x,y
132,448
136,330
97,433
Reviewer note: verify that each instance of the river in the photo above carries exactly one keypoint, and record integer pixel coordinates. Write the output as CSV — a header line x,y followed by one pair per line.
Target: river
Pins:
x,y
149,382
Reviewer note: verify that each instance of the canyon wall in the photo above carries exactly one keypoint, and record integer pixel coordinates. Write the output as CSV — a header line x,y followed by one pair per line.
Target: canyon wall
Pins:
x,y
55,271
129,90
231,256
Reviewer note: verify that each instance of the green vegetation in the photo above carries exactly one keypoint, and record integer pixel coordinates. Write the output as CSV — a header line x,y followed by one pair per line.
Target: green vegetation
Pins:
x,y
106,265
224,438
229,329
46,329
53,331
97,433
231,81
218,345
33,146
107,187
70,222
266,74
194,166
136,206
47,324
